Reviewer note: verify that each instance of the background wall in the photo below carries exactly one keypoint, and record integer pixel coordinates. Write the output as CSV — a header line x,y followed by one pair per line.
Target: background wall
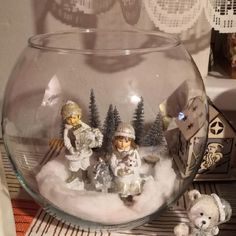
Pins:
x,y
16,25
21,19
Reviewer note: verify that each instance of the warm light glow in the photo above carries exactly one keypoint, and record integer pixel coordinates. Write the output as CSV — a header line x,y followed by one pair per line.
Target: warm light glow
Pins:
x,y
135,99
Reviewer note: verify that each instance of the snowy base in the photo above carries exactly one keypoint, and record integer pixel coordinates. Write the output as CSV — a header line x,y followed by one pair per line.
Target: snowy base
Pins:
x,y
106,208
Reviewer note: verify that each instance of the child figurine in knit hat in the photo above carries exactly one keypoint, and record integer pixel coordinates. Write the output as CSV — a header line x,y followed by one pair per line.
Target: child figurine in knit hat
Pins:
x,y
79,139
125,163
205,213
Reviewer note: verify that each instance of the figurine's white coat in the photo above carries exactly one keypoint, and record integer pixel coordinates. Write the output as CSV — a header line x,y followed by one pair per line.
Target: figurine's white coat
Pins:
x,y
129,183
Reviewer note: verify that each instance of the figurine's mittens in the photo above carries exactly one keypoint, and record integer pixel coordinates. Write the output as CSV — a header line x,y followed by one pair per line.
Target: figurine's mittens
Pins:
x,y
129,171
121,172
181,229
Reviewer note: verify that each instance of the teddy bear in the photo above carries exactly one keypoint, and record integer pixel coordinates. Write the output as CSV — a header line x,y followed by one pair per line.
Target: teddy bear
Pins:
x,y
205,213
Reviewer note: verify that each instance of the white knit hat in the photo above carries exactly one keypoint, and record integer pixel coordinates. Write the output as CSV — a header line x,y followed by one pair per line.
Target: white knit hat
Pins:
x,y
125,130
69,109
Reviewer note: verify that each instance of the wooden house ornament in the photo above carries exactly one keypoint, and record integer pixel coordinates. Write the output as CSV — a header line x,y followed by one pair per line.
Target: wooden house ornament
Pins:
x,y
186,122
218,158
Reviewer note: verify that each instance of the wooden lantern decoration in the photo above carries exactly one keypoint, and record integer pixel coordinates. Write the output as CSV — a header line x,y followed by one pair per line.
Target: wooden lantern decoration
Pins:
x,y
185,126
217,162
218,159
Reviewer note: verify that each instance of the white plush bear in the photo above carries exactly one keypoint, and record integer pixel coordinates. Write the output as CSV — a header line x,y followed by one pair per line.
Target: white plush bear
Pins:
x,y
205,213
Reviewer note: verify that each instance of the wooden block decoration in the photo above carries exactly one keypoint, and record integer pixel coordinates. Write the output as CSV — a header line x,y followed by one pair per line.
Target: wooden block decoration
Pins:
x,y
220,151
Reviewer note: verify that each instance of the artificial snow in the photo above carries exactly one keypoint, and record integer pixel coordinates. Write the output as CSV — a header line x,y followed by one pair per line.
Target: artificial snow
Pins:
x,y
107,208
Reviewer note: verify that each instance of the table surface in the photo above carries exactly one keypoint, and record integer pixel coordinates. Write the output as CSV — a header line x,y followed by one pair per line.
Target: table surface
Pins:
x,y
31,220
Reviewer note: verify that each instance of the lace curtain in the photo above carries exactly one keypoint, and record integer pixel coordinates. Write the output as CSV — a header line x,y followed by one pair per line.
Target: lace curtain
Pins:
x,y
175,16
170,16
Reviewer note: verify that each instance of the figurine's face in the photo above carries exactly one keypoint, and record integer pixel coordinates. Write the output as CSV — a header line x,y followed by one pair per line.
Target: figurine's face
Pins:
x,y
73,120
122,143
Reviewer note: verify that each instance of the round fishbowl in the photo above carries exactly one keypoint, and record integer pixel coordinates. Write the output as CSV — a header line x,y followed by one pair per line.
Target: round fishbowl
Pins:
x,y
105,128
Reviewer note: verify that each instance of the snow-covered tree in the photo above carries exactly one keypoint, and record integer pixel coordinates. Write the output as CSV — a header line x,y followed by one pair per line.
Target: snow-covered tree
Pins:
x,y
117,118
108,130
138,122
155,135
94,120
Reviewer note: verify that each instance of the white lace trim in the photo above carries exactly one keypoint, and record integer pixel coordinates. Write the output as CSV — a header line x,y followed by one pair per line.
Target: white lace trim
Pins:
x,y
175,16
170,16
221,15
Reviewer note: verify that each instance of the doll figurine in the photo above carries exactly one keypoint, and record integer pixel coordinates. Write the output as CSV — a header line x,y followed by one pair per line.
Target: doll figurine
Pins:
x,y
125,163
79,139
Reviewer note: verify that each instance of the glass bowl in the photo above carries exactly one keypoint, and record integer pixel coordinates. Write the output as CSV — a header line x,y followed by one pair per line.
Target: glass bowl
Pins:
x,y
105,128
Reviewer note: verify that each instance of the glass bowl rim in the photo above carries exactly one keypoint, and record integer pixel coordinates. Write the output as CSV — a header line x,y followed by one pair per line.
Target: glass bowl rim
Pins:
x,y
36,42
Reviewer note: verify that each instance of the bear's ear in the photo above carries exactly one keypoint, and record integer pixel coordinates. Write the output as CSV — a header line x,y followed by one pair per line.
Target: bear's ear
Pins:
x,y
194,194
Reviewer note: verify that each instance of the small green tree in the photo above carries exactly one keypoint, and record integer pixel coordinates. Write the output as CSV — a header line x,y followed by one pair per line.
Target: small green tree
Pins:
x,y
94,120
138,122
117,118
108,130
155,134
